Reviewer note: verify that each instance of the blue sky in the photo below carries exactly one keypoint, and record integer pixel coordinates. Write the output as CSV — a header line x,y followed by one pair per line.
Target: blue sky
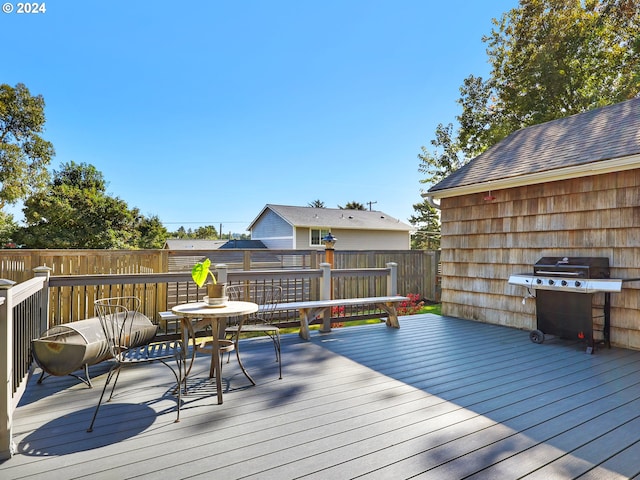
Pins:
x,y
202,112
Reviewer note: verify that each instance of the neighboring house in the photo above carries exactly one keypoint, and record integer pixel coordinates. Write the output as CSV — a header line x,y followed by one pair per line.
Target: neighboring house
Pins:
x,y
302,228
193,244
229,252
199,244
569,187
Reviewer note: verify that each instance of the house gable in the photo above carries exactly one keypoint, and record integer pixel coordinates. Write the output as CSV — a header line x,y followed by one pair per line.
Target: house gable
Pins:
x,y
359,229
273,230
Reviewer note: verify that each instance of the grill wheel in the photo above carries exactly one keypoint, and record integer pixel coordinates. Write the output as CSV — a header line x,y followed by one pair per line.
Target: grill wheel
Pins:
x,y
536,336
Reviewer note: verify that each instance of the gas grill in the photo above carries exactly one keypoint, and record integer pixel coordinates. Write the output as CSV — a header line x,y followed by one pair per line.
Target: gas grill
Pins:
x,y
578,274
564,289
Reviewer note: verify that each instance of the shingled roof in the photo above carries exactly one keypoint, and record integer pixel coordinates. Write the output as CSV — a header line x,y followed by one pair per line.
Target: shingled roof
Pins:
x,y
335,218
599,135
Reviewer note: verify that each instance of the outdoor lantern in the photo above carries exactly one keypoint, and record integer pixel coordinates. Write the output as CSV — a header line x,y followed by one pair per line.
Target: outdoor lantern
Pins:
x,y
488,197
329,241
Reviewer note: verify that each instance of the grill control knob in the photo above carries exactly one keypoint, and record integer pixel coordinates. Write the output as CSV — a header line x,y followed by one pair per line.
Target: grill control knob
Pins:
x,y
578,283
538,281
551,282
563,283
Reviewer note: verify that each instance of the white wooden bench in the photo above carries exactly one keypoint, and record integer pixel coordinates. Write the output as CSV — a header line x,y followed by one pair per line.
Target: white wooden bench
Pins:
x,y
311,309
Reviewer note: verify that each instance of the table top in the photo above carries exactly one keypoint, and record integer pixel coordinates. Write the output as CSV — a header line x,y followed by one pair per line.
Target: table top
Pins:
x,y
204,310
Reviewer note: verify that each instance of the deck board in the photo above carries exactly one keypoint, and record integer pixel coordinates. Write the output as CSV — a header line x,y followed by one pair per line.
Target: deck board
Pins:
x,y
438,398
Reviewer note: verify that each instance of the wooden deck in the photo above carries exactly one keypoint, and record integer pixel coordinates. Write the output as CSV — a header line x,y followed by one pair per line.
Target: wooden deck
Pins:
x,y
440,398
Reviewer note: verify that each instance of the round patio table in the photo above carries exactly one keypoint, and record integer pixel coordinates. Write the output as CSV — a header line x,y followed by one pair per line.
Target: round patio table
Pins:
x,y
211,315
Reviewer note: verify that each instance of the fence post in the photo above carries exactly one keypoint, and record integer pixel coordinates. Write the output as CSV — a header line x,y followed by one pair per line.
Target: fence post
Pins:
x,y
7,447
44,271
325,283
392,279
222,270
325,294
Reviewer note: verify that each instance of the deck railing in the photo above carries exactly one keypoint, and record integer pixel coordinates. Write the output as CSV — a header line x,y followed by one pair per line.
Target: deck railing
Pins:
x,y
22,318
417,269
29,308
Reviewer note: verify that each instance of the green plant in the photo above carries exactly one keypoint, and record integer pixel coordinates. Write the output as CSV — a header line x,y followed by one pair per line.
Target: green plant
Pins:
x,y
201,271
411,306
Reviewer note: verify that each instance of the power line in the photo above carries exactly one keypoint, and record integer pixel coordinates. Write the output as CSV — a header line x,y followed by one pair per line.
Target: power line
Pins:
x,y
202,223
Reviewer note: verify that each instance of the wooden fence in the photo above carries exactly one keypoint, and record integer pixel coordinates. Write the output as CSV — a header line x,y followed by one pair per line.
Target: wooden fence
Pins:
x,y
417,269
17,265
72,297
417,273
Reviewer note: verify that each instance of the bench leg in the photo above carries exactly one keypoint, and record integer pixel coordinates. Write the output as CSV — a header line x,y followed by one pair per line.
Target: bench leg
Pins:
x,y
306,315
392,314
326,320
304,324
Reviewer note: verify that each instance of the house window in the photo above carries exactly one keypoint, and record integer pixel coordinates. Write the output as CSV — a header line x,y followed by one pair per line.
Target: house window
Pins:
x,y
317,235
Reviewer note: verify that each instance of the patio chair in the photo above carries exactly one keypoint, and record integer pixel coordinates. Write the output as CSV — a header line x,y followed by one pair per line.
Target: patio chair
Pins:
x,y
118,318
266,296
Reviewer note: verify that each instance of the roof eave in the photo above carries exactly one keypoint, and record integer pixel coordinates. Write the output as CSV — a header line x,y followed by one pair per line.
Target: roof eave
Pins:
x,y
594,168
357,227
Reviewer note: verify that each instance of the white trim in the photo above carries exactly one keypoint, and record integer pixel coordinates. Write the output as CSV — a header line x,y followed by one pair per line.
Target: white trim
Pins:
x,y
593,168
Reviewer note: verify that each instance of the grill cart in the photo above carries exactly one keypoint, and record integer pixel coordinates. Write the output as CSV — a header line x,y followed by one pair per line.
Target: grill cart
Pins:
x,y
564,289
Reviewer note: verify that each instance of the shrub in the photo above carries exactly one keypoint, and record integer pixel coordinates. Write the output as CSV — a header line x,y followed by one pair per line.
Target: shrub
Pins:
x,y
411,306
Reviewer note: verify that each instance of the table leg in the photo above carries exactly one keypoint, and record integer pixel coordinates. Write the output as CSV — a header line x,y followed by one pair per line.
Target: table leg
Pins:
x,y
216,368
188,333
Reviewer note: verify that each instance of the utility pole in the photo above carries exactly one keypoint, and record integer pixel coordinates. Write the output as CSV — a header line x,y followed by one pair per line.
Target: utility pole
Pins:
x,y
370,203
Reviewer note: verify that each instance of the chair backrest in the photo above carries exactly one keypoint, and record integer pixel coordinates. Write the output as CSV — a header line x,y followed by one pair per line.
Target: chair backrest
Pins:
x,y
123,325
266,296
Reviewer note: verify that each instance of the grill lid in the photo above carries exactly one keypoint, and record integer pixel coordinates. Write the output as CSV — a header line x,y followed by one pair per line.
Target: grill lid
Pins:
x,y
572,267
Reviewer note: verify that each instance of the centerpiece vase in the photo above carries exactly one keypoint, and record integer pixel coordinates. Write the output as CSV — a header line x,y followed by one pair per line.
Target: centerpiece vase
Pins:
x,y
216,293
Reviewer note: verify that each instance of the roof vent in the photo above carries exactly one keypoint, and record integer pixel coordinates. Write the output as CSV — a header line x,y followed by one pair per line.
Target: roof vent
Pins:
x,y
351,217
381,216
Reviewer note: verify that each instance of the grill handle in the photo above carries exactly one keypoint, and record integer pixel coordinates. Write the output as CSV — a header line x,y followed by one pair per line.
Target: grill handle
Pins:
x,y
561,274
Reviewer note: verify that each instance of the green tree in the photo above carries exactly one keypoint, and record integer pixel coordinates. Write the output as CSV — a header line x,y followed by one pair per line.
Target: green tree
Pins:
x,y
446,158
553,58
427,223
316,204
550,59
75,212
181,233
151,232
24,155
7,228
207,232
352,206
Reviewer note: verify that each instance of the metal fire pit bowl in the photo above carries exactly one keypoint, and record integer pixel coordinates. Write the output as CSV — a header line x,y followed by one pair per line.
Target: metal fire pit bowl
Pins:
x,y
66,348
